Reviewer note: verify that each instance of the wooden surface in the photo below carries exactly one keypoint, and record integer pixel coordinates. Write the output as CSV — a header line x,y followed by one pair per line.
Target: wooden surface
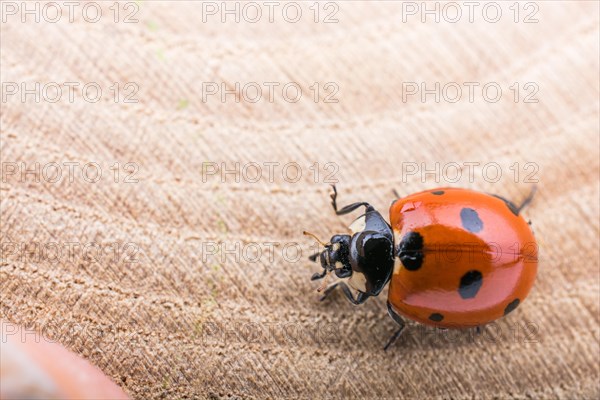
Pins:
x,y
183,323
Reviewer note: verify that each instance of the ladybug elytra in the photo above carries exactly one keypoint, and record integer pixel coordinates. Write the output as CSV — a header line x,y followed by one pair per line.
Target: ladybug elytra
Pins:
x,y
454,258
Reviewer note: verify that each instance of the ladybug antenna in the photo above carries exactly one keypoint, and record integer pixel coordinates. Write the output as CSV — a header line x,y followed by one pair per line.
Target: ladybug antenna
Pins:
x,y
316,238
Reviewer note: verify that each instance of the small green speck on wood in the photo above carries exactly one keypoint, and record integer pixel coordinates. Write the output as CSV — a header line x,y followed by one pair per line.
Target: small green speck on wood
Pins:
x,y
183,103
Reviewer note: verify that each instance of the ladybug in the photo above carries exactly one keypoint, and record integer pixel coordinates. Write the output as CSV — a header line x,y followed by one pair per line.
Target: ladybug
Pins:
x,y
454,258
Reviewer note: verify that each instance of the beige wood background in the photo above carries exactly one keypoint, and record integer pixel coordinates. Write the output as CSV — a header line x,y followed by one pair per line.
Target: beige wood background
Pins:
x,y
182,323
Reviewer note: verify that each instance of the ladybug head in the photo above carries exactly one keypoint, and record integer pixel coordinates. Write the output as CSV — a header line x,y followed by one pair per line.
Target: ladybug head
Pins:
x,y
335,256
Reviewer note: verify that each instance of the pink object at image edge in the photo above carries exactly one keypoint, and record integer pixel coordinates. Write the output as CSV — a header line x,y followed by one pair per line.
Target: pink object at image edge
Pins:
x,y
32,365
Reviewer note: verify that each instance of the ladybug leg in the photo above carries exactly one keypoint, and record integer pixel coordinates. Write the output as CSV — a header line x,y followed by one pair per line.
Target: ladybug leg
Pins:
x,y
528,199
395,192
343,273
328,291
339,272
513,207
398,320
350,207
360,298
314,257
317,276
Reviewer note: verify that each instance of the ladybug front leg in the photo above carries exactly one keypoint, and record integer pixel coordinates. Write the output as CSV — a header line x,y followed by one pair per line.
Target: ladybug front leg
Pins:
x,y
314,257
398,320
317,276
350,207
360,298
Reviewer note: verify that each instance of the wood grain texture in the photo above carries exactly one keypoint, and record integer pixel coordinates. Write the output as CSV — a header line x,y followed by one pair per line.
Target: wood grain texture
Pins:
x,y
182,323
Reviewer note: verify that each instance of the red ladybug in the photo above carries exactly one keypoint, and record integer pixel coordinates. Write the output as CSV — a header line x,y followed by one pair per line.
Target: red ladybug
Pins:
x,y
455,258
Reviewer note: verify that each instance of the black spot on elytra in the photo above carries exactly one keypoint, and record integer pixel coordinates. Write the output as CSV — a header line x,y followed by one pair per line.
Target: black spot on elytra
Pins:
x,y
511,306
438,192
511,206
470,220
437,317
410,251
470,283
